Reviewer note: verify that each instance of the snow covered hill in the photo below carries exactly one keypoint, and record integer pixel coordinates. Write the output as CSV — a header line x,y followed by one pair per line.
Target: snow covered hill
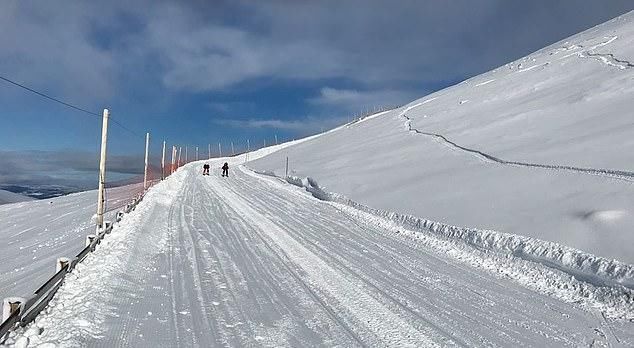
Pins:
x,y
541,147
34,234
10,197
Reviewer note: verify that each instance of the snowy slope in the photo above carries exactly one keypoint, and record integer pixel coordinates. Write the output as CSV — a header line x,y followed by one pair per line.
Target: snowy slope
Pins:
x,y
10,197
34,234
541,147
253,261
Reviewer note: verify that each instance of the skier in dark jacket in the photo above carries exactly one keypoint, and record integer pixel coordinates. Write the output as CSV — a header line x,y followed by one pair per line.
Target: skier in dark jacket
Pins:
x,y
206,169
225,169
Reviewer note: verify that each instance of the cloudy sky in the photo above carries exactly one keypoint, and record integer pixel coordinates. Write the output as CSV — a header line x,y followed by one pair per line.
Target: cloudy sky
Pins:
x,y
195,72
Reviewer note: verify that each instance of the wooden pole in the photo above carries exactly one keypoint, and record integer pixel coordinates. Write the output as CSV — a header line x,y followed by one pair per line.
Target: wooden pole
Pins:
x,y
101,195
147,149
163,162
209,148
219,150
196,153
248,150
173,159
286,167
233,152
186,147
276,139
180,151
11,305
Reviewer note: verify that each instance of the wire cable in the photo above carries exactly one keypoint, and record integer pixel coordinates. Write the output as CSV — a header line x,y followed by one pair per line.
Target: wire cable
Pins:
x,y
49,97
44,95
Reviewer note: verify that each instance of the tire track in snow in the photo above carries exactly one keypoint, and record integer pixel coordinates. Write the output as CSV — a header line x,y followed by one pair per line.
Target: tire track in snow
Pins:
x,y
377,319
284,261
408,293
336,261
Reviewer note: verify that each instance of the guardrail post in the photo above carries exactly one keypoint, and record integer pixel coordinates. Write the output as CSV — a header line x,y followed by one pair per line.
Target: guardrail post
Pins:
x,y
10,305
90,238
61,263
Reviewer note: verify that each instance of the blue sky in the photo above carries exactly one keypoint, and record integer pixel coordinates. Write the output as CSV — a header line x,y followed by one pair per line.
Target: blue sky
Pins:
x,y
199,72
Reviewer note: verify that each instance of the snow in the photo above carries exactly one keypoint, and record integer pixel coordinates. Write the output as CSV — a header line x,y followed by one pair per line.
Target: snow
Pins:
x,y
35,233
250,260
493,213
10,197
542,149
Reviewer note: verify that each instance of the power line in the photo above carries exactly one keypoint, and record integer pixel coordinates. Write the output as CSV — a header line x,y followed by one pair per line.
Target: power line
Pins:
x,y
49,97
44,95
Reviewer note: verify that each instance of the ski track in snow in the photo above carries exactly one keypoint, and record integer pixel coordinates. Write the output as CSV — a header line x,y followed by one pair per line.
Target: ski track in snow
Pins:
x,y
250,261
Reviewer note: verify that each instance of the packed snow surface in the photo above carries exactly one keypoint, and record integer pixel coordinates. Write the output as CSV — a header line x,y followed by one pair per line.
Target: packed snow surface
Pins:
x,y
541,147
250,260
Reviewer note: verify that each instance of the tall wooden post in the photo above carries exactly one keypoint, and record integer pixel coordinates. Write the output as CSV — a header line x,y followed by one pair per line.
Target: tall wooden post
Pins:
x,y
233,152
246,158
264,142
101,195
196,153
163,162
286,167
219,150
173,159
209,148
186,147
276,139
147,149
180,151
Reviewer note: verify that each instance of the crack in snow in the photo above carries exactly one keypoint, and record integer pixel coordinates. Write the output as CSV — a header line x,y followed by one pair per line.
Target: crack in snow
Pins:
x,y
614,174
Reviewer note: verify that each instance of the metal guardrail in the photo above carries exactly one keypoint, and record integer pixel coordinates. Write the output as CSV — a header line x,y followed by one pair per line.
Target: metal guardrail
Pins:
x,y
26,312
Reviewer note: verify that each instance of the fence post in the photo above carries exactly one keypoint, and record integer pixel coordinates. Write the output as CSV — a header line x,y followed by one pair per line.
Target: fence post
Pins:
x,y
209,149
147,145
196,153
163,162
61,263
101,197
10,305
219,150
286,167
276,139
90,238
233,152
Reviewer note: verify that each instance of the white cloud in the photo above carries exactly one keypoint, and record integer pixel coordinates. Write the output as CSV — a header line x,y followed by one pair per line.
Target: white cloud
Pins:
x,y
355,100
301,126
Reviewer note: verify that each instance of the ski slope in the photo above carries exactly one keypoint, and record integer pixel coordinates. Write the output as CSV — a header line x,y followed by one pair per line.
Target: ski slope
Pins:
x,y
250,260
541,147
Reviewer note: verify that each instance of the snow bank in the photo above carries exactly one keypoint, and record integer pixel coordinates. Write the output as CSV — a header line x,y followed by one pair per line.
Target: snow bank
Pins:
x,y
603,283
596,270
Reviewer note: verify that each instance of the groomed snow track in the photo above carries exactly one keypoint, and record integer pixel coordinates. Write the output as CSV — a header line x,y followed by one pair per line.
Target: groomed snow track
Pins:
x,y
251,261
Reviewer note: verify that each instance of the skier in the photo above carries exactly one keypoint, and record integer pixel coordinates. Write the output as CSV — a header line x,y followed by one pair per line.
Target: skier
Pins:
x,y
225,169
206,169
